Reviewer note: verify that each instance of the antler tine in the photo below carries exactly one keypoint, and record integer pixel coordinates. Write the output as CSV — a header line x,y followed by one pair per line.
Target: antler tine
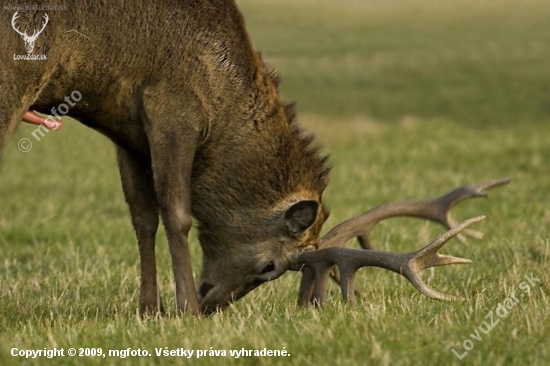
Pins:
x,y
349,261
13,19
451,199
428,257
37,32
46,19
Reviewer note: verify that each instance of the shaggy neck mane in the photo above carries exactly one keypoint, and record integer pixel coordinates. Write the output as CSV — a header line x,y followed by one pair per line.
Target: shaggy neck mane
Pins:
x,y
257,165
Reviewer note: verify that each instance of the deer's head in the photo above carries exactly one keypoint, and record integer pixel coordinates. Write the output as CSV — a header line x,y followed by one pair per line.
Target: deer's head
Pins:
x,y
232,267
29,40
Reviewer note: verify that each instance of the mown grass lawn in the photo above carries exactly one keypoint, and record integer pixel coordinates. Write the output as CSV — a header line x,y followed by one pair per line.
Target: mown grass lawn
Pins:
x,y
410,98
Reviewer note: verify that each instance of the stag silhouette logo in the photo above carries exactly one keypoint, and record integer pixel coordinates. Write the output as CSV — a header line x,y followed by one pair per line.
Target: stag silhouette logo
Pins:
x,y
29,40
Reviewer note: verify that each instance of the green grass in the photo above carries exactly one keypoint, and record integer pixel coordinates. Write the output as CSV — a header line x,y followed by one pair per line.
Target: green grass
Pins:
x,y
410,99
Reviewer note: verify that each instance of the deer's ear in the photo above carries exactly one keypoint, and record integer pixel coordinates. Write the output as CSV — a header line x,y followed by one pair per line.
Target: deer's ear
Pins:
x,y
300,216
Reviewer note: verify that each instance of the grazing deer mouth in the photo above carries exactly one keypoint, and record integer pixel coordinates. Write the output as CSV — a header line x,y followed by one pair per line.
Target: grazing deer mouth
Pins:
x,y
211,302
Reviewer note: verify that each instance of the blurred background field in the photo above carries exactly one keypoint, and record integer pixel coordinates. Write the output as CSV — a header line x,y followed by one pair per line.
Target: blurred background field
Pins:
x,y
475,62
410,98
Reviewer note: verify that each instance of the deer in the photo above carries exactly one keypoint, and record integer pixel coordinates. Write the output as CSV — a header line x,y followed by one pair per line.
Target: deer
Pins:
x,y
201,133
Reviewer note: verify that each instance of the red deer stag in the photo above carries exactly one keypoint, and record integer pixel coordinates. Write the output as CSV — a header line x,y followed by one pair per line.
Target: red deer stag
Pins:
x,y
200,131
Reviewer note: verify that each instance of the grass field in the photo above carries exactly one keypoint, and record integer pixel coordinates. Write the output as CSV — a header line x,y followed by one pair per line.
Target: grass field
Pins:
x,y
410,98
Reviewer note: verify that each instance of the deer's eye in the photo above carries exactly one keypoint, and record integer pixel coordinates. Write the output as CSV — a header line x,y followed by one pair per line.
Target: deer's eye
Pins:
x,y
268,268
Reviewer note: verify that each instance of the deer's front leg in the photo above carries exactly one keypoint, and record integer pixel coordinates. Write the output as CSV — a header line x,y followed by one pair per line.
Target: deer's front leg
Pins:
x,y
139,190
172,163
172,145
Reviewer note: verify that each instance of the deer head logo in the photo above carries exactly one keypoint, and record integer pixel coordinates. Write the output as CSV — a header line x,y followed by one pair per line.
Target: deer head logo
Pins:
x,y
29,40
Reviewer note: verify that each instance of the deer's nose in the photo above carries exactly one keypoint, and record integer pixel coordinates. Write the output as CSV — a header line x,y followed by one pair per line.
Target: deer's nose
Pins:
x,y
204,288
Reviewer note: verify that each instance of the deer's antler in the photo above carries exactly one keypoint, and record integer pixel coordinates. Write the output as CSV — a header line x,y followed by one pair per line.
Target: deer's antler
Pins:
x,y
315,265
437,209
15,28
37,33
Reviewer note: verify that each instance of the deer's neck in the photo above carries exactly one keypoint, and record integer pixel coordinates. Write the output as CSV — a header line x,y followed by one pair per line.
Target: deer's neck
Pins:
x,y
254,161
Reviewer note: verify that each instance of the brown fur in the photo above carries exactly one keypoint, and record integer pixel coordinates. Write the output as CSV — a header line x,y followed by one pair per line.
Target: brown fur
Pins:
x,y
200,130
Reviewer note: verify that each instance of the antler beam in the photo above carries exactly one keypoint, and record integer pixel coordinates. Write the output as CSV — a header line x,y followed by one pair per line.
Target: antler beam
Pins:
x,y
437,210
